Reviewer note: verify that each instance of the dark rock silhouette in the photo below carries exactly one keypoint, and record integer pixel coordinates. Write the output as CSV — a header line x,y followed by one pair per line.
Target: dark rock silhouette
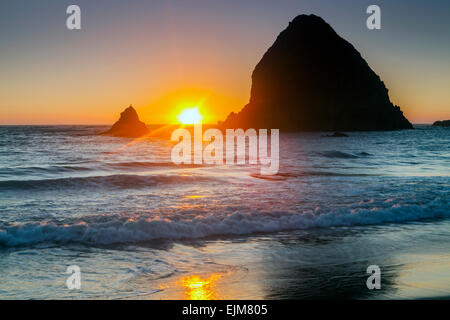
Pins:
x,y
336,135
128,125
311,79
443,123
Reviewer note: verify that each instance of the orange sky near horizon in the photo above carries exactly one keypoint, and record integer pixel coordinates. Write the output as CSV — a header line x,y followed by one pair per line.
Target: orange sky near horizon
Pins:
x,y
89,108
161,58
214,107
96,102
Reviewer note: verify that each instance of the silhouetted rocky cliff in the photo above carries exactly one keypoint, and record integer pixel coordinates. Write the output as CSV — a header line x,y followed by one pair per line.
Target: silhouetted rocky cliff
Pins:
x,y
128,125
312,79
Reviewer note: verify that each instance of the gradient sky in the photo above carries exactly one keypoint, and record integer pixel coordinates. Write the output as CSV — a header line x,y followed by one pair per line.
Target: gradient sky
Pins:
x,y
164,55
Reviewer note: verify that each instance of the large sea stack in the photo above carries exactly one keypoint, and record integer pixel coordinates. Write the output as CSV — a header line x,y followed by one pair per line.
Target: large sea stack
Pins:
x,y
128,125
311,79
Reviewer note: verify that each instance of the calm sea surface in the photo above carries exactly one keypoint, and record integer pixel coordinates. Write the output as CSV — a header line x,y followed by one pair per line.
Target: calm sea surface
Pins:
x,y
140,227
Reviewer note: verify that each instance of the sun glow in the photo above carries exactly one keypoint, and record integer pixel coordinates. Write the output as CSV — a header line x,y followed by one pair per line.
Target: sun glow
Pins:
x,y
190,116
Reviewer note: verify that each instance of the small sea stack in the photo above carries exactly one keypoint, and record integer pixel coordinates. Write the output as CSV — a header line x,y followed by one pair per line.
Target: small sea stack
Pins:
x,y
443,123
336,135
128,125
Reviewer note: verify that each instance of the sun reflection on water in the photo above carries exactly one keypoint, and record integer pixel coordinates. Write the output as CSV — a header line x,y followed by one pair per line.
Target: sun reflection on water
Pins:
x,y
198,288
195,196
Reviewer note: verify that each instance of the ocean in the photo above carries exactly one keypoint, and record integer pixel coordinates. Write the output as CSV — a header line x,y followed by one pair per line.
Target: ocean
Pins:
x,y
140,227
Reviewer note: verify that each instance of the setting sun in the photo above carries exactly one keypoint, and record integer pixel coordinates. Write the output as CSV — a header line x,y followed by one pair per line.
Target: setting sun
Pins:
x,y
190,116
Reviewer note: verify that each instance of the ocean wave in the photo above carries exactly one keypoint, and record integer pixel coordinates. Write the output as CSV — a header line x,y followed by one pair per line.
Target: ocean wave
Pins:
x,y
365,154
120,231
54,169
121,181
284,176
338,154
21,171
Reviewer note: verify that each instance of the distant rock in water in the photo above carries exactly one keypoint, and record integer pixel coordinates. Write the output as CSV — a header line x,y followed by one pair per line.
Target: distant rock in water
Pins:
x,y
311,79
336,135
443,123
128,125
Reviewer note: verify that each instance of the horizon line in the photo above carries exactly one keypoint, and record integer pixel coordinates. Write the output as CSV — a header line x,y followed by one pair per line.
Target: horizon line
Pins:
x,y
153,124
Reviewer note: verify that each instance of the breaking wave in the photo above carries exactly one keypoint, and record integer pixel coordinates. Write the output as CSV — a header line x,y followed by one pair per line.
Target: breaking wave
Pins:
x,y
120,231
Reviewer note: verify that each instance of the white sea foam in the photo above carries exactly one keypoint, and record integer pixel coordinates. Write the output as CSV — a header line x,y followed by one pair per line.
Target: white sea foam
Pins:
x,y
119,231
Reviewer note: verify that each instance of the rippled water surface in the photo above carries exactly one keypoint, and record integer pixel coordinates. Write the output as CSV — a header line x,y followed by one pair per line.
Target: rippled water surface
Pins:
x,y
141,227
